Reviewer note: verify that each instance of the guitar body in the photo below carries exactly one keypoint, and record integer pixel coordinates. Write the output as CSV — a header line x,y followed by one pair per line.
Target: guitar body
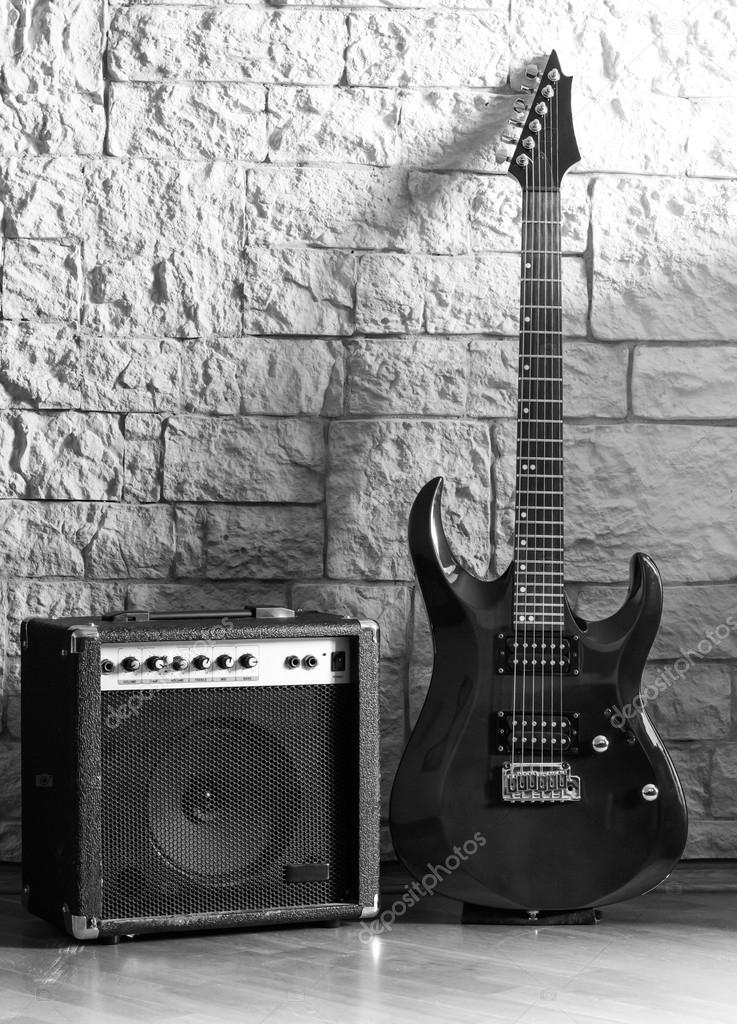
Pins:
x,y
609,845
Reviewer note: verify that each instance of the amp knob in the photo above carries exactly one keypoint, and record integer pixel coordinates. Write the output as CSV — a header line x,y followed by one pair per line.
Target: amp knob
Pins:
x,y
225,661
156,663
248,660
201,661
179,663
131,664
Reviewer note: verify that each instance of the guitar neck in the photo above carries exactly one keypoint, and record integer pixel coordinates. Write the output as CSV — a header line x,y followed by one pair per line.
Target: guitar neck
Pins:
x,y
539,501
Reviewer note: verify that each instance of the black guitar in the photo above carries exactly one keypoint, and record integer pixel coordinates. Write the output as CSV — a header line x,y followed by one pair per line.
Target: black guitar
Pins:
x,y
522,750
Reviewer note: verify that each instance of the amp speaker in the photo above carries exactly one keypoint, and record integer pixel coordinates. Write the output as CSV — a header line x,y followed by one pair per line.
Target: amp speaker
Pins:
x,y
188,772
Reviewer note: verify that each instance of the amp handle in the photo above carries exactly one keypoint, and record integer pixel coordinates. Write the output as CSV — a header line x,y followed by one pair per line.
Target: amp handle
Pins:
x,y
249,612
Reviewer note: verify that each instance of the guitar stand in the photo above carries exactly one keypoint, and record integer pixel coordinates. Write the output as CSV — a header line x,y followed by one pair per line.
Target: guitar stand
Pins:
x,y
474,913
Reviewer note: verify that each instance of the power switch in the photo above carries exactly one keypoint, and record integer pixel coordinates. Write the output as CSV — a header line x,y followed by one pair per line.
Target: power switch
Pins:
x,y
337,661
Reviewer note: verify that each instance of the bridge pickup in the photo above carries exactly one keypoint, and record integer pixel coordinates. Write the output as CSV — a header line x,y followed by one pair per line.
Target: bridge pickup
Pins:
x,y
533,732
540,784
536,654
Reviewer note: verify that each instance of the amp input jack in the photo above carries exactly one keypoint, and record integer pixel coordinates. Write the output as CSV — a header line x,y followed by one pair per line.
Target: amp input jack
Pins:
x,y
292,661
309,661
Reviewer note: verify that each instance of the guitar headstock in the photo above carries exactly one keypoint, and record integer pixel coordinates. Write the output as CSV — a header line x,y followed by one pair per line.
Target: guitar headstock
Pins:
x,y
546,146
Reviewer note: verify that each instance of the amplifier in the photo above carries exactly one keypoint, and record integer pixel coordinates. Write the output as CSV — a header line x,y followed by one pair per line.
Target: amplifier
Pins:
x,y
188,771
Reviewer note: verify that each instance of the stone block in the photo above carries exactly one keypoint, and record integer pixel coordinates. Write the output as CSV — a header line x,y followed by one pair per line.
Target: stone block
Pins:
x,y
693,765
689,702
390,296
724,781
364,207
411,48
150,44
376,470
244,459
42,197
264,376
453,129
41,280
684,382
63,455
40,366
144,457
131,541
299,291
664,266
407,376
250,542
329,125
193,121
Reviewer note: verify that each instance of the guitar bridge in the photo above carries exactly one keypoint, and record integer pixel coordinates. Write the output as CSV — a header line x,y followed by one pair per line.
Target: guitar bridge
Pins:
x,y
540,784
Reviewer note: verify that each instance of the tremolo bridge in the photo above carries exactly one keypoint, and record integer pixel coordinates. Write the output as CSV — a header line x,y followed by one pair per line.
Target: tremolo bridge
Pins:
x,y
540,783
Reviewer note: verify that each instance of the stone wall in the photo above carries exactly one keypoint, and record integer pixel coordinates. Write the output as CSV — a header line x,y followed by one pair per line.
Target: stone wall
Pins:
x,y
259,284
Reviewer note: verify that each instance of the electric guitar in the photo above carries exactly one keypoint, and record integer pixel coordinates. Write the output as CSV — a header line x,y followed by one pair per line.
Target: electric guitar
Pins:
x,y
522,749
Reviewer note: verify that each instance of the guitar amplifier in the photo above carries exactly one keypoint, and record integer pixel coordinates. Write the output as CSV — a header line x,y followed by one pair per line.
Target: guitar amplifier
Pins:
x,y
189,771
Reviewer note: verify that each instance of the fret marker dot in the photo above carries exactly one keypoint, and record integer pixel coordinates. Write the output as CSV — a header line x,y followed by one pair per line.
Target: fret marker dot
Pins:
x,y
525,366
523,567
522,589
527,319
525,409
522,618
532,465
527,266
523,543
523,515
524,465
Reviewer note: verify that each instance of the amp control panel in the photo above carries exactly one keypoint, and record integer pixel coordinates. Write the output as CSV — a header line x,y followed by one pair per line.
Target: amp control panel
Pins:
x,y
264,662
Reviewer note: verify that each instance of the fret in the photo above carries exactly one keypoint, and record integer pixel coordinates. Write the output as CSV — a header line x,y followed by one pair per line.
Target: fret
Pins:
x,y
539,544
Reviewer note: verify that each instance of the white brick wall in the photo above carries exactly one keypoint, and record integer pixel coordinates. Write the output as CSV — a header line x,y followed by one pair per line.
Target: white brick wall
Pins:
x,y
259,284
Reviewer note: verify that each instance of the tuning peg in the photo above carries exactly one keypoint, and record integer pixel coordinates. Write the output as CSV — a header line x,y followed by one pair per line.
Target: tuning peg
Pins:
x,y
541,109
522,160
528,142
548,91
535,126
554,75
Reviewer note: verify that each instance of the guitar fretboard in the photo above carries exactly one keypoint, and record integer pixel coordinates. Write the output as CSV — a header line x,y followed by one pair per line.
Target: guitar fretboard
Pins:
x,y
538,592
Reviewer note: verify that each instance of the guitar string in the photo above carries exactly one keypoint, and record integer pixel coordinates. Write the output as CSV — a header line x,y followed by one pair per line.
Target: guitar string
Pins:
x,y
545,288
561,499
521,609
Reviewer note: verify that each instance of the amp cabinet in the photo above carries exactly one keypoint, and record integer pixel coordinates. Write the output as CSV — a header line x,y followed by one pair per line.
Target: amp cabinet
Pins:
x,y
199,771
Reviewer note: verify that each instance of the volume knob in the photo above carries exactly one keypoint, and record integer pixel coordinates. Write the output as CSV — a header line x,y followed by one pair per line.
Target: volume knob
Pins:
x,y
225,661
155,663
600,744
179,663
248,660
201,661
131,664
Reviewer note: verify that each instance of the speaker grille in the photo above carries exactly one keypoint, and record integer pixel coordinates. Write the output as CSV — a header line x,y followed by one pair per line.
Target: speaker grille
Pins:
x,y
208,794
